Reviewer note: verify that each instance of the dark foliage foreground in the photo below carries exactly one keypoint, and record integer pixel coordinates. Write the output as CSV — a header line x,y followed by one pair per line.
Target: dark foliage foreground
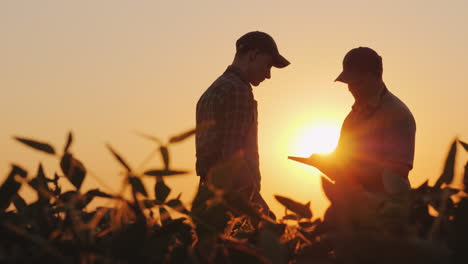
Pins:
x,y
222,227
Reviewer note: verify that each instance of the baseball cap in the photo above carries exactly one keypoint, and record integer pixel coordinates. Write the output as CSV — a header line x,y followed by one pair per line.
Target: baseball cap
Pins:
x,y
360,60
263,42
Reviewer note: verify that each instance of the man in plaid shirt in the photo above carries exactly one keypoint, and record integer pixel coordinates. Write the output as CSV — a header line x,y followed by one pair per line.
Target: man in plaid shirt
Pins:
x,y
229,106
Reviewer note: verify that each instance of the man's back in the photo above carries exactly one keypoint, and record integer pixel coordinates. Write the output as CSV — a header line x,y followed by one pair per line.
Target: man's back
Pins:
x,y
230,104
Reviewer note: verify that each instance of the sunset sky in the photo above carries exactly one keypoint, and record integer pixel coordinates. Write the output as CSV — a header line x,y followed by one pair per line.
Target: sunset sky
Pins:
x,y
106,69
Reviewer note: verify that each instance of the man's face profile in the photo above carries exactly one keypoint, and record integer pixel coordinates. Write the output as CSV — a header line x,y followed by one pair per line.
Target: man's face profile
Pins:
x,y
260,64
354,85
360,85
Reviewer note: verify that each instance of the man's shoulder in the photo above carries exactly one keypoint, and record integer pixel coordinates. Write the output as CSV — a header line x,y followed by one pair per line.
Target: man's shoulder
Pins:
x,y
225,86
218,88
228,81
228,85
397,109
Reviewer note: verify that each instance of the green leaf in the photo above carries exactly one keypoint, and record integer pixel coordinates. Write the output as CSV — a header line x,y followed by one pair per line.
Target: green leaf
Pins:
x,y
424,185
148,203
465,145
164,216
39,183
162,173
98,193
70,196
174,203
465,178
165,156
177,205
119,158
137,185
450,191
447,174
20,204
290,217
69,141
57,190
44,147
154,139
91,194
302,210
308,224
161,190
10,187
73,170
182,136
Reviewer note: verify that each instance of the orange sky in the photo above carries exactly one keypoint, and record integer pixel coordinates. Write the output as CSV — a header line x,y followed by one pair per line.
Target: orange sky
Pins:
x,y
105,69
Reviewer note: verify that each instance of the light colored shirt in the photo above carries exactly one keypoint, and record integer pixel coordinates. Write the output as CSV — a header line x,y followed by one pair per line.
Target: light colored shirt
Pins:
x,y
380,133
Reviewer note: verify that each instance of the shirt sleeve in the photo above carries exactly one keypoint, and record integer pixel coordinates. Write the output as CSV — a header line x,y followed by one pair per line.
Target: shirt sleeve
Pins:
x,y
400,140
236,120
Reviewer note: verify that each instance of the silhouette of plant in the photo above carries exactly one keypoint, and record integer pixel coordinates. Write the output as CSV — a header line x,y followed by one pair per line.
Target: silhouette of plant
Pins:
x,y
428,224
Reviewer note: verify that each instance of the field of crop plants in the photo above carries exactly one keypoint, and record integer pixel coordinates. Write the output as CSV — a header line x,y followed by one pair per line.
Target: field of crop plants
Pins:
x,y
428,224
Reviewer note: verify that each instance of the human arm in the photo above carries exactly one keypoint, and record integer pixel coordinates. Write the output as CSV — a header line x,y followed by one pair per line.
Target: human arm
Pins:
x,y
399,143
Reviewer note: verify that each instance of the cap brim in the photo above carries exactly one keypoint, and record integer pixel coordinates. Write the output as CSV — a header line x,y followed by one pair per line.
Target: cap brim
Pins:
x,y
280,62
345,77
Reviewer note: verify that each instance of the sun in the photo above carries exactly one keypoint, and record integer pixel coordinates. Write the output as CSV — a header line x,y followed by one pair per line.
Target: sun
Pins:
x,y
315,137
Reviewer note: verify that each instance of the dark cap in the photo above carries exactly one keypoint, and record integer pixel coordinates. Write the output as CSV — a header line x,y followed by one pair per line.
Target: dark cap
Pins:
x,y
263,42
358,61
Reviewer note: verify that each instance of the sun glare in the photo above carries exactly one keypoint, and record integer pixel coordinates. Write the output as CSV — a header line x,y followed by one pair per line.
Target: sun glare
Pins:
x,y
319,137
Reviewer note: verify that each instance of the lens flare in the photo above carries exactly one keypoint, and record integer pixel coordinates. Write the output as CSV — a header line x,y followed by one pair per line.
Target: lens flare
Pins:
x,y
316,138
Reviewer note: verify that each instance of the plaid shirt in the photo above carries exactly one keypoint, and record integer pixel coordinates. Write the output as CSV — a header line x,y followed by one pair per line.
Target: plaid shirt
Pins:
x,y
229,102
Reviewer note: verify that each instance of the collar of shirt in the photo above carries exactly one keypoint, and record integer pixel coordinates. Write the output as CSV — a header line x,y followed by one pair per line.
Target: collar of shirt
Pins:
x,y
373,103
237,72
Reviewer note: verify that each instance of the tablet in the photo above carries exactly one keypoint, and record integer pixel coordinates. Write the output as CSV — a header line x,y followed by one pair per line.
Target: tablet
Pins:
x,y
304,160
307,161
